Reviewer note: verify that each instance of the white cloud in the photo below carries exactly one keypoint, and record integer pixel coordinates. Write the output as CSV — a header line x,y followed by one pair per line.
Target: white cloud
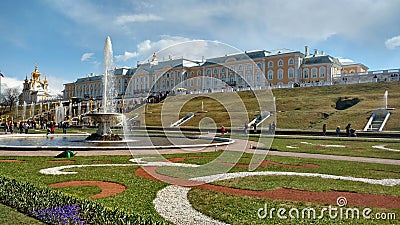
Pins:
x,y
10,82
122,20
177,47
393,42
56,84
126,56
87,56
345,60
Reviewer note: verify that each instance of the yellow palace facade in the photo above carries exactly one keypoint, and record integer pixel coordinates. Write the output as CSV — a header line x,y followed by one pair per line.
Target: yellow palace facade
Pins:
x,y
251,69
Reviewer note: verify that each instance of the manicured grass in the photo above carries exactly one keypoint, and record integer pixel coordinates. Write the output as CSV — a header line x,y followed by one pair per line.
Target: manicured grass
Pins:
x,y
352,147
263,183
239,210
140,192
10,216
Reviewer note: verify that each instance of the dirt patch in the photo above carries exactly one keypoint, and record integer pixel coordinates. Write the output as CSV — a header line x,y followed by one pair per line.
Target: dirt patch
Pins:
x,y
10,160
353,199
107,188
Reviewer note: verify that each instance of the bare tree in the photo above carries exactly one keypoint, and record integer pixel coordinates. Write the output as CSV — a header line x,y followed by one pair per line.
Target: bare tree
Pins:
x,y
10,96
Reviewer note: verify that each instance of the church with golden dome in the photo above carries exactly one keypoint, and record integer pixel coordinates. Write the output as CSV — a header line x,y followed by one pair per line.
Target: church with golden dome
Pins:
x,y
35,90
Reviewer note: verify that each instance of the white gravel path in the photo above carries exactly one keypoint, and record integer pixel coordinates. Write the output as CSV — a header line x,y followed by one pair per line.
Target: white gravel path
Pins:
x,y
173,205
384,148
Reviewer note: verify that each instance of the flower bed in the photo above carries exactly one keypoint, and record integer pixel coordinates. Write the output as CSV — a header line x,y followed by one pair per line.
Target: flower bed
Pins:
x,y
54,207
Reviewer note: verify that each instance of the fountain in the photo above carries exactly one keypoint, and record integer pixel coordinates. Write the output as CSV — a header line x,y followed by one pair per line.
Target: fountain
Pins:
x,y
385,99
107,117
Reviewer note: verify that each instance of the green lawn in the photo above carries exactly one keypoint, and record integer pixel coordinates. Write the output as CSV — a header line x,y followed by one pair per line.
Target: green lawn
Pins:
x,y
10,216
140,192
342,146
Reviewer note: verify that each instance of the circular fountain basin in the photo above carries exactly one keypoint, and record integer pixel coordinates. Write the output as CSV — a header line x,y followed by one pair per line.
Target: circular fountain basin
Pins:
x,y
133,142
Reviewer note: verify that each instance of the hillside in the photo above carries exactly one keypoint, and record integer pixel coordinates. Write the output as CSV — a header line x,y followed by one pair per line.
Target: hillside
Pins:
x,y
299,108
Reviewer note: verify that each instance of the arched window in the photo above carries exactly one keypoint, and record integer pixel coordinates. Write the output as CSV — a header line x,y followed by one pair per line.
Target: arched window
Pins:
x,y
305,73
270,64
322,71
280,74
270,75
314,72
191,74
208,72
199,73
290,73
291,61
280,62
215,71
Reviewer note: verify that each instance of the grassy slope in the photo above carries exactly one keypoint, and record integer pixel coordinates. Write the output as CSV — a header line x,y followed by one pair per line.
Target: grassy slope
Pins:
x,y
298,108
303,107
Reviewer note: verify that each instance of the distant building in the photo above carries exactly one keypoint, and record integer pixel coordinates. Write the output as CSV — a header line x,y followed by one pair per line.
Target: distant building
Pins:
x,y
257,69
35,90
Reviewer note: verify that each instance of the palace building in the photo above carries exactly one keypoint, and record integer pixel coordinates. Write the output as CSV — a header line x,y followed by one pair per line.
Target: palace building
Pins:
x,y
35,90
241,71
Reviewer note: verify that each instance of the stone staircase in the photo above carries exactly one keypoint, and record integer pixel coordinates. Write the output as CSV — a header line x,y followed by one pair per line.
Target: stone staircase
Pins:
x,y
377,120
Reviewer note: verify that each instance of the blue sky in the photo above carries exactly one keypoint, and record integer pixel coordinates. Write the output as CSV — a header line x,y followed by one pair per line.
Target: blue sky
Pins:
x,y
66,37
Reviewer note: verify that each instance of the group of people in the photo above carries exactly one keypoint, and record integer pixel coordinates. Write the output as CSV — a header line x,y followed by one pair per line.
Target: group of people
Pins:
x,y
350,132
24,126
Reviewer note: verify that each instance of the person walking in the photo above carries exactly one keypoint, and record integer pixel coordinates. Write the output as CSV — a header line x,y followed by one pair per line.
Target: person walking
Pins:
x,y
324,129
52,127
223,130
64,127
5,127
348,127
338,131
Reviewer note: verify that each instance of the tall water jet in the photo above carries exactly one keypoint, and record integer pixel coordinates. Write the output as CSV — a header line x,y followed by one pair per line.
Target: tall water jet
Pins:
x,y
385,99
108,116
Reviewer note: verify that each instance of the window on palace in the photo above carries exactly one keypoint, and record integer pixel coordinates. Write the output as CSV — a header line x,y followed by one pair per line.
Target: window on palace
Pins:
x,y
258,76
232,78
280,74
198,81
314,72
270,75
249,66
352,72
191,74
199,73
305,73
280,62
215,71
208,72
290,73
223,78
322,72
167,75
270,64
259,65
191,82
291,61
240,67
223,70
